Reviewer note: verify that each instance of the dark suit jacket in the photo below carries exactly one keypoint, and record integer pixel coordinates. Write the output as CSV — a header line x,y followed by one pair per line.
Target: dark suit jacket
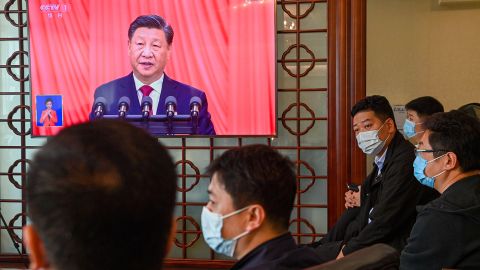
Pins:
x,y
125,86
393,196
279,253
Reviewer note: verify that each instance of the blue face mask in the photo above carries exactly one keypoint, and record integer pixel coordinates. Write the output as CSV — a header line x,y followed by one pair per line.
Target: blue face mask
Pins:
x,y
212,224
419,166
409,128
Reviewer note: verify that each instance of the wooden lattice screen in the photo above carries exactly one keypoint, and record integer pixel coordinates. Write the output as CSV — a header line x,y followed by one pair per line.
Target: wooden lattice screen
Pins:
x,y
303,128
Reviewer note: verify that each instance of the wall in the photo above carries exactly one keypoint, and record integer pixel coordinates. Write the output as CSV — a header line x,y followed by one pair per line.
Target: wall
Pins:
x,y
416,48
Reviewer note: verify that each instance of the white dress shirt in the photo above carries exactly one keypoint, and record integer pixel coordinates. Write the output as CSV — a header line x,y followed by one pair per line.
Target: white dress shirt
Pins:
x,y
380,160
155,94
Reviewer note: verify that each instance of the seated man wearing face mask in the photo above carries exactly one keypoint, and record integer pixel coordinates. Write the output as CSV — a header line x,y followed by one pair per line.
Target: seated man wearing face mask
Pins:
x,y
390,192
418,111
251,197
446,233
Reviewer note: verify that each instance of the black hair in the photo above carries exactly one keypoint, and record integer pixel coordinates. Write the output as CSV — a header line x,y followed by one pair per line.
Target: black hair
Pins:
x,y
472,109
456,132
378,104
48,100
258,174
101,196
151,21
425,106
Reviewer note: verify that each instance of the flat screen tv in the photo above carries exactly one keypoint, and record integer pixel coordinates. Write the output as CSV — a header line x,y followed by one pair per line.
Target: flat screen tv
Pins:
x,y
218,75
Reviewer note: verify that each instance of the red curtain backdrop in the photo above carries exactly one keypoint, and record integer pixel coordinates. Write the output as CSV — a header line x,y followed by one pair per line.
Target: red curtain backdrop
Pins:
x,y
224,47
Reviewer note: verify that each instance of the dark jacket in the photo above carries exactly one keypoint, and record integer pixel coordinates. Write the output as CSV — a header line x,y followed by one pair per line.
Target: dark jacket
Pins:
x,y
391,197
447,231
279,253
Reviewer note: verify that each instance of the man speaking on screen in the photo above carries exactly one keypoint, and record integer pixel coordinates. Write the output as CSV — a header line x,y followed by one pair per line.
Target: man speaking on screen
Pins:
x,y
149,48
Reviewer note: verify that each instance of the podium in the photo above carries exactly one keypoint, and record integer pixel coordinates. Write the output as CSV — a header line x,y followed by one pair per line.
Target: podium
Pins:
x,y
161,125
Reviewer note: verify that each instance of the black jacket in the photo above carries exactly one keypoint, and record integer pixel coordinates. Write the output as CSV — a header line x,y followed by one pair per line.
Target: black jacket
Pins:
x,y
388,200
447,231
279,253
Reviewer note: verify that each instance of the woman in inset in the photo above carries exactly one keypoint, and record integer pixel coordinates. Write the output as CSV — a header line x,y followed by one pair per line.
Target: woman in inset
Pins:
x,y
49,116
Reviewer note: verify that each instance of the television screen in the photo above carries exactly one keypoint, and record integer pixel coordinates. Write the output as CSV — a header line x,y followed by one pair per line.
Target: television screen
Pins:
x,y
204,67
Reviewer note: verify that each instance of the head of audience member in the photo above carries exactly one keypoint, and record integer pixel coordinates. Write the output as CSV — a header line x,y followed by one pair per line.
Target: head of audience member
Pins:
x,y
251,197
472,109
418,111
373,124
448,151
100,195
149,40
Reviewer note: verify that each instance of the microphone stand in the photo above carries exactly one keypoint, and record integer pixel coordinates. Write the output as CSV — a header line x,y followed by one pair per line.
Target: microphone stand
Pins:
x,y
15,244
170,124
194,122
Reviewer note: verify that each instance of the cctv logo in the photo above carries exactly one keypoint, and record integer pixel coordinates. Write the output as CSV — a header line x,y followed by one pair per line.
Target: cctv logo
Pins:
x,y
58,9
54,8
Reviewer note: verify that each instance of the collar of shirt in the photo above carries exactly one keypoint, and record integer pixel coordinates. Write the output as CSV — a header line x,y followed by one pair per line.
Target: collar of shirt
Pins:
x,y
155,94
156,85
380,160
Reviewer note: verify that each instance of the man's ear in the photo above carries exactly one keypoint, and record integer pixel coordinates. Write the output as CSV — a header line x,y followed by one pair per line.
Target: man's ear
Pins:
x,y
171,236
256,217
37,255
169,52
129,48
451,162
391,125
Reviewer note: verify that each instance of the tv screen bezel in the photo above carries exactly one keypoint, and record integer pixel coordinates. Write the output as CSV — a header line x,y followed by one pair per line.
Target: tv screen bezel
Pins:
x,y
276,109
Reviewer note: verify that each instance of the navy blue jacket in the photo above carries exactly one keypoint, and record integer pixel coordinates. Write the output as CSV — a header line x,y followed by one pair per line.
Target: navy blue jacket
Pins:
x,y
279,253
125,86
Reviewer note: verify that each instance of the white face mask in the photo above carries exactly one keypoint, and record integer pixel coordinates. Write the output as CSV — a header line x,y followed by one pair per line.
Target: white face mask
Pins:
x,y
369,141
212,224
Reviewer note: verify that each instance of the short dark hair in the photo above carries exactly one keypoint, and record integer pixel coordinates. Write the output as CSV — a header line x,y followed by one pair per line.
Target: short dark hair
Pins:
x,y
101,196
424,106
151,21
48,100
472,109
258,174
456,132
378,104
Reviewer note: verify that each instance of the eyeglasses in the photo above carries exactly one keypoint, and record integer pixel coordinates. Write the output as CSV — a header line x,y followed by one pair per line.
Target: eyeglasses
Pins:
x,y
419,151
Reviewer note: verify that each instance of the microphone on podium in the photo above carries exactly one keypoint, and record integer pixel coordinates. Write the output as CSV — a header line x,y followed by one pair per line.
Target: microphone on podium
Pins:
x,y
146,106
123,106
170,106
100,106
195,106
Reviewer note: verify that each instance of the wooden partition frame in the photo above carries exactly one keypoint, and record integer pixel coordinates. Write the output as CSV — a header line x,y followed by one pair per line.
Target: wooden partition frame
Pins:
x,y
347,83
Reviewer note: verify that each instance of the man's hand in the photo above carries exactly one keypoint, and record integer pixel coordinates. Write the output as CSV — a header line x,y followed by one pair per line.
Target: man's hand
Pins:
x,y
340,254
352,199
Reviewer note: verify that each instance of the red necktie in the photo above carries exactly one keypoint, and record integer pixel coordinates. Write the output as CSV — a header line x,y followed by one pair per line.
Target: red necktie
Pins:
x,y
146,90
